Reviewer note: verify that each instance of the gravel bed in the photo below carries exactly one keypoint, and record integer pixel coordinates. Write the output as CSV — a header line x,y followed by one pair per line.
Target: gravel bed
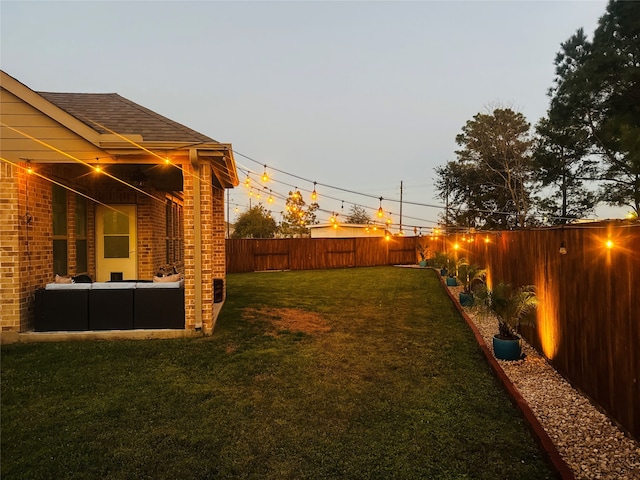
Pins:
x,y
589,443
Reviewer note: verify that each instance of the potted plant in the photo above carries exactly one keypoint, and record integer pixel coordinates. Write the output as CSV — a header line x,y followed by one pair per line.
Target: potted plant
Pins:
x,y
442,260
471,276
422,250
511,307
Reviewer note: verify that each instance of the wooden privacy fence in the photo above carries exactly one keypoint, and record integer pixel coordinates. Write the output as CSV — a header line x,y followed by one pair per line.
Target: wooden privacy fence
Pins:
x,y
252,255
588,322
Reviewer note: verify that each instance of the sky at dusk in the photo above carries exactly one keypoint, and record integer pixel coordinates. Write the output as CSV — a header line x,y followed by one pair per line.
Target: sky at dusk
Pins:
x,y
355,95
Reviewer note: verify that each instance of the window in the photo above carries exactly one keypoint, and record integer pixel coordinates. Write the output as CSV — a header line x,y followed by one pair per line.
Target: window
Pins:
x,y
59,209
173,237
116,235
81,235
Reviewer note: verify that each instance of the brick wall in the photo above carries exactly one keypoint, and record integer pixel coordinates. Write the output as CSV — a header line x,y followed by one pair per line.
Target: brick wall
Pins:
x,y
151,222
26,258
189,248
9,247
212,244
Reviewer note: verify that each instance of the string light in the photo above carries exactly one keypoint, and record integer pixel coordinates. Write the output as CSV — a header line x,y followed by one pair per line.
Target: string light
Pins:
x,y
380,211
314,194
247,182
294,193
29,168
270,197
609,244
265,177
97,168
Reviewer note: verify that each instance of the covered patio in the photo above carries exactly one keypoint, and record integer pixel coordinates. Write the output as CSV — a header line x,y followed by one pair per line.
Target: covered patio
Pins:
x,y
98,186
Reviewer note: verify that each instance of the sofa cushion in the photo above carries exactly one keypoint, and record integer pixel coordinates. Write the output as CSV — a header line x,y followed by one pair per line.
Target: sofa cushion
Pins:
x,y
68,286
178,284
112,285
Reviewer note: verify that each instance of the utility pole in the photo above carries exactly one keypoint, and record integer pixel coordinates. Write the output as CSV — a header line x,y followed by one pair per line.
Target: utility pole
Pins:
x,y
400,232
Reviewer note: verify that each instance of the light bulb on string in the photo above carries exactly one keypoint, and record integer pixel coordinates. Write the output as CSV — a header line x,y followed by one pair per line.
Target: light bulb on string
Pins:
x,y
29,168
247,182
265,177
380,211
314,194
270,197
97,168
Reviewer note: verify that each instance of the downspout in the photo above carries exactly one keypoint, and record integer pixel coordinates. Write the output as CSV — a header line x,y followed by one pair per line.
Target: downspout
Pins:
x,y
197,234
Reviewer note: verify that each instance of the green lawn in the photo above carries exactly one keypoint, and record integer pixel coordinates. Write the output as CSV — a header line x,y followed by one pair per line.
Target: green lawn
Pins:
x,y
363,373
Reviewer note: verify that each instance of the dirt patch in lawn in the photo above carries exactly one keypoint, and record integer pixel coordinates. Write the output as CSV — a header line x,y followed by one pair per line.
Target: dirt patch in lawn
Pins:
x,y
289,320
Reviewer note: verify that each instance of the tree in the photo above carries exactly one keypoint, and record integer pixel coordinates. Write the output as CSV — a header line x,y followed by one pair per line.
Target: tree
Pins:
x,y
597,89
296,218
256,222
561,165
489,184
358,214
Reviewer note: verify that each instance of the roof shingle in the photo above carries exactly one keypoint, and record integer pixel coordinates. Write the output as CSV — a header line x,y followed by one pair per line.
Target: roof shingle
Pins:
x,y
123,116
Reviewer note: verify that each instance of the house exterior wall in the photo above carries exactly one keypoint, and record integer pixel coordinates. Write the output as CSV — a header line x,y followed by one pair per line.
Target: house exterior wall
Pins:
x,y
49,133
151,223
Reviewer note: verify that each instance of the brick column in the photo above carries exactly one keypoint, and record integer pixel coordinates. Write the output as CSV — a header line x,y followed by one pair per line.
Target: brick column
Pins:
x,y
212,244
10,315
189,247
206,226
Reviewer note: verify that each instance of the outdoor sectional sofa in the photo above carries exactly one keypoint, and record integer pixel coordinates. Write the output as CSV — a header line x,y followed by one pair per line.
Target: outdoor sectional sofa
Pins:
x,y
110,306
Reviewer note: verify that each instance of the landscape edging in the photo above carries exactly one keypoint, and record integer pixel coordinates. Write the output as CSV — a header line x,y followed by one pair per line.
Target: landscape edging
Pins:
x,y
540,434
